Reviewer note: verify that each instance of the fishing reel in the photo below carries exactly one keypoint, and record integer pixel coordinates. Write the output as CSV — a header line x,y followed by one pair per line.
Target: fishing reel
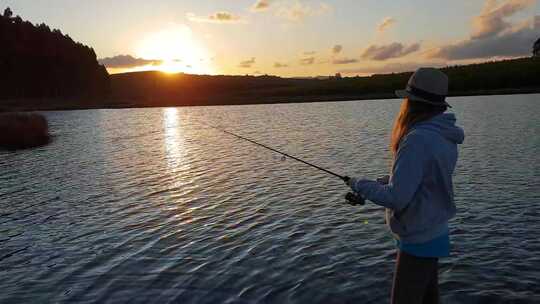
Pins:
x,y
354,199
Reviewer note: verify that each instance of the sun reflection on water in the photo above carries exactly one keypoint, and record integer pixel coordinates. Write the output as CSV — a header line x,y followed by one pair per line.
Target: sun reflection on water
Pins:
x,y
178,160
174,140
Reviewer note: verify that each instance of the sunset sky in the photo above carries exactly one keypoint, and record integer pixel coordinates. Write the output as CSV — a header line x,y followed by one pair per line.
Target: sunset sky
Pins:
x,y
291,37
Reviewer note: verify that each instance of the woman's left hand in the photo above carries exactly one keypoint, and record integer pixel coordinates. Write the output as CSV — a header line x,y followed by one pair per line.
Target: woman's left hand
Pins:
x,y
350,181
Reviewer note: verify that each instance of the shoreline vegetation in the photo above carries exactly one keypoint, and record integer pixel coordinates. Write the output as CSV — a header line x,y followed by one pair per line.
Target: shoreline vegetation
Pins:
x,y
23,131
33,105
47,70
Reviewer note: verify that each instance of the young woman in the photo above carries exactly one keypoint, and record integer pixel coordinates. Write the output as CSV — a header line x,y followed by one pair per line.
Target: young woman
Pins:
x,y
418,195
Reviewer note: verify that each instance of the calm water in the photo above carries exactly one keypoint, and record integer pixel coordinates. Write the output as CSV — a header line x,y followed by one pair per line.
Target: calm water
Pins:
x,y
148,205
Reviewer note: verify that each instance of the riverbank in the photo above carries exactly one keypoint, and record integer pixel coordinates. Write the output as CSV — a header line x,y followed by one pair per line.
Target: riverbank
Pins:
x,y
51,104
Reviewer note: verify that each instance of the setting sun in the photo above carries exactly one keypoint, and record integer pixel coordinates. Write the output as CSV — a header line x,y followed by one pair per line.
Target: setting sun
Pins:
x,y
174,50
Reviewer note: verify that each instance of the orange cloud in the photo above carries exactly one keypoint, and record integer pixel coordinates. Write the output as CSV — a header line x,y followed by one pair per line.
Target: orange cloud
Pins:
x,y
127,61
493,36
298,11
344,60
219,17
247,63
491,20
261,5
511,43
393,50
385,24
307,61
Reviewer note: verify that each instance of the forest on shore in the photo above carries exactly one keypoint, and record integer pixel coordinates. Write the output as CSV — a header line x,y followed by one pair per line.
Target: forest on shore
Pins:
x,y
37,63
44,69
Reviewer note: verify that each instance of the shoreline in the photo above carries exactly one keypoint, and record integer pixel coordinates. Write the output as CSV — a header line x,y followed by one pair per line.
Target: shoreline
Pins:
x,y
37,105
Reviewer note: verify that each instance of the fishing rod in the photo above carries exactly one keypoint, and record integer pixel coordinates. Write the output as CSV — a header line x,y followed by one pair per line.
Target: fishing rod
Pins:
x,y
351,198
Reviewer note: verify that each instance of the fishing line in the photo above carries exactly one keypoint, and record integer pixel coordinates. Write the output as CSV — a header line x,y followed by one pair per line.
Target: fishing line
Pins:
x,y
352,198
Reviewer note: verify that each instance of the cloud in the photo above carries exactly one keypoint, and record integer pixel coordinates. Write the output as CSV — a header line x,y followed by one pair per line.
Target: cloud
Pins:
x,y
385,24
307,61
393,50
493,36
491,20
344,60
219,17
511,43
297,11
279,65
261,5
309,53
292,10
337,49
393,68
247,63
127,61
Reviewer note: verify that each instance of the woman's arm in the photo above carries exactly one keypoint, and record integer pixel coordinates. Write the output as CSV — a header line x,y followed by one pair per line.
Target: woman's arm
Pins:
x,y
406,177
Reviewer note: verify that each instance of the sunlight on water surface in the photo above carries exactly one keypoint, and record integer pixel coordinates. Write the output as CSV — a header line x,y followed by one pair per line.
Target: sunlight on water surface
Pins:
x,y
147,206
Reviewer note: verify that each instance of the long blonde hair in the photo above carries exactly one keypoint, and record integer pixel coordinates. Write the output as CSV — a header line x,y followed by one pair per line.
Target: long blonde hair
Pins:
x,y
411,112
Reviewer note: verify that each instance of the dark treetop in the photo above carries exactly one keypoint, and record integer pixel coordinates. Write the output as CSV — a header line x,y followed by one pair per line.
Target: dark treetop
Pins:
x,y
37,62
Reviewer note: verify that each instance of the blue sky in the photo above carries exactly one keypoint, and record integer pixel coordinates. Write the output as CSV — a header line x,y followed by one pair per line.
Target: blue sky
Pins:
x,y
291,37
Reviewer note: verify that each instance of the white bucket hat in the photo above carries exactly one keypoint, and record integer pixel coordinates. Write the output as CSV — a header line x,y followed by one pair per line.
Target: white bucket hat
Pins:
x,y
427,85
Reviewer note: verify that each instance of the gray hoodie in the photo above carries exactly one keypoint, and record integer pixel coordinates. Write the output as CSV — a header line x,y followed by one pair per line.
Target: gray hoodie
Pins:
x,y
419,196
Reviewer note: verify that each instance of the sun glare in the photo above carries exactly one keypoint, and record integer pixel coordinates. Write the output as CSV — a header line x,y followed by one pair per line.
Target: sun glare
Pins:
x,y
177,49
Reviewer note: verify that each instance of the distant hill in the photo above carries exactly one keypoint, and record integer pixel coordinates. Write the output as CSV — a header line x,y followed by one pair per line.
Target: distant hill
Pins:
x,y
159,89
39,63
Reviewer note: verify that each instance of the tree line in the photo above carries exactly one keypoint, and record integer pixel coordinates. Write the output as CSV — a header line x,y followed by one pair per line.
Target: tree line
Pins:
x,y
520,75
37,62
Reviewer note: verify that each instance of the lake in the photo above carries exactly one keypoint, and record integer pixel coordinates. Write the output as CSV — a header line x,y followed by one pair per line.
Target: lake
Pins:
x,y
152,206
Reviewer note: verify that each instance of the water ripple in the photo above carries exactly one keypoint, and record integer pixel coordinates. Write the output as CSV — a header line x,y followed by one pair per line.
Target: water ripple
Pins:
x,y
150,206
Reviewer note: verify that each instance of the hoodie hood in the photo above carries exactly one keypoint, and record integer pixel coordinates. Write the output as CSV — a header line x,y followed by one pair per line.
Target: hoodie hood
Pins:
x,y
444,124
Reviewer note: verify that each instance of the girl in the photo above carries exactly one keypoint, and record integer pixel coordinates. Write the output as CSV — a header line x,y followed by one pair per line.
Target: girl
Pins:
x,y
418,196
